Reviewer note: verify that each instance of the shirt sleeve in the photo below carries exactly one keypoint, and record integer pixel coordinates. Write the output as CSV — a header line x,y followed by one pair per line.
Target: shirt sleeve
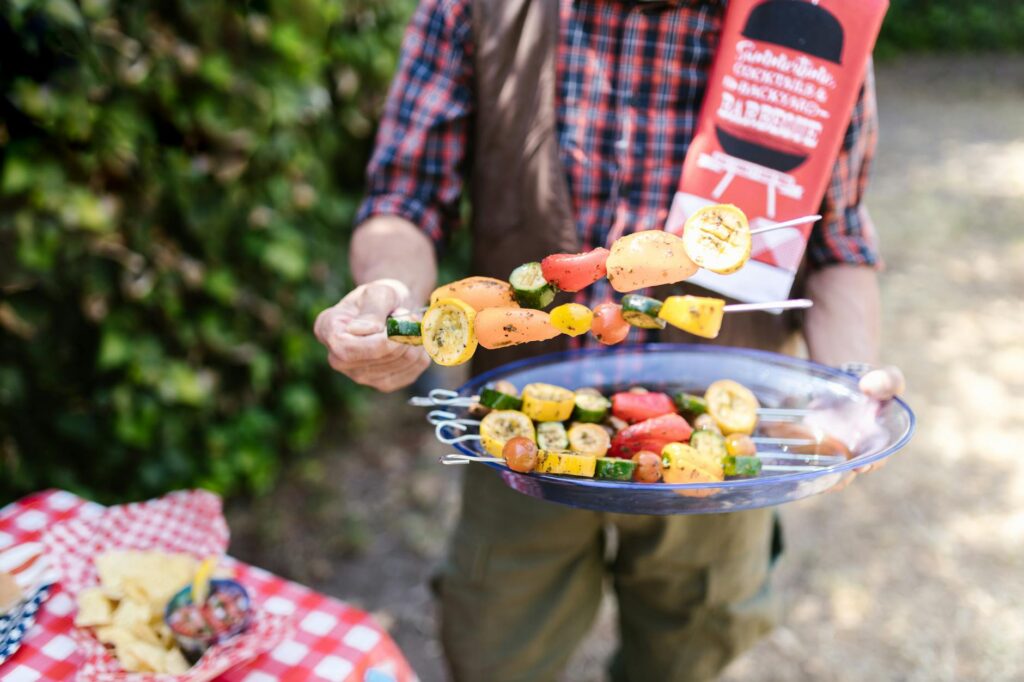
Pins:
x,y
845,233
416,170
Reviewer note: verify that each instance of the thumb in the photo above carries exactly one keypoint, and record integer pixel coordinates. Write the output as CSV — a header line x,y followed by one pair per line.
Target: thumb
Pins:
x,y
377,302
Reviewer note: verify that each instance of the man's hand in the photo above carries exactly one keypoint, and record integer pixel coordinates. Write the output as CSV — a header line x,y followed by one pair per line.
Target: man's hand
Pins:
x,y
357,344
883,384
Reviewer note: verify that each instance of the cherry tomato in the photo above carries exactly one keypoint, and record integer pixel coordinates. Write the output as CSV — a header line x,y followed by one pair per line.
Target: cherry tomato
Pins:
x,y
608,325
574,271
740,444
638,407
648,467
653,434
520,454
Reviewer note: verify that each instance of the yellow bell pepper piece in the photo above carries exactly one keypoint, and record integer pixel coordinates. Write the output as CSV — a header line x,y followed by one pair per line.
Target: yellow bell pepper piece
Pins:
x,y
699,315
682,463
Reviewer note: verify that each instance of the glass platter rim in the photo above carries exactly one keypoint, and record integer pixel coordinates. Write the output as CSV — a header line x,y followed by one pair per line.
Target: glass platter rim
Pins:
x,y
471,386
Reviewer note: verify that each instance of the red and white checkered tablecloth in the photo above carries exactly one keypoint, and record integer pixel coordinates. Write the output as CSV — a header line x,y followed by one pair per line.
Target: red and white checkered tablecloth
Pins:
x,y
331,641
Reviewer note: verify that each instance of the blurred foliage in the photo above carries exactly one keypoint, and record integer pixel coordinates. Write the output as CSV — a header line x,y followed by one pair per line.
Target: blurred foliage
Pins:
x,y
952,26
177,181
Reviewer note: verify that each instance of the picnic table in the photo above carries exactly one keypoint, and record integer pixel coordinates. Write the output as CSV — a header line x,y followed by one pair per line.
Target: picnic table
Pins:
x,y
330,641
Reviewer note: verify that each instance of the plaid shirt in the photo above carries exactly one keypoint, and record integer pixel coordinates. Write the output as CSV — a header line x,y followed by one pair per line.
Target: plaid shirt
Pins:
x,y
631,79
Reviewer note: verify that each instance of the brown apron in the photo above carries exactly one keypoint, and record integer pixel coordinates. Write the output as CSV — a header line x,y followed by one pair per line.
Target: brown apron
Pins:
x,y
524,578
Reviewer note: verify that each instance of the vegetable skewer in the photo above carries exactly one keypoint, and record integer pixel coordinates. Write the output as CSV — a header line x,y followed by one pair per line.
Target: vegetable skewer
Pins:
x,y
460,425
443,397
458,459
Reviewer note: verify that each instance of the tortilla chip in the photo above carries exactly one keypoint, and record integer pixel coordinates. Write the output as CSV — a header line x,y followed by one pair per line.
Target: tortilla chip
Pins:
x,y
175,663
158,575
114,635
145,632
151,658
163,633
130,613
93,608
127,659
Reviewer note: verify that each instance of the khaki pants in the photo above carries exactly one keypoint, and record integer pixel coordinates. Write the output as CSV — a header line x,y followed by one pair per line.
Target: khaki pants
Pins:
x,y
524,581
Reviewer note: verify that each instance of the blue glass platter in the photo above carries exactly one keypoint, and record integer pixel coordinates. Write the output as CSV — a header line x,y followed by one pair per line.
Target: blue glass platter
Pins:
x,y
779,381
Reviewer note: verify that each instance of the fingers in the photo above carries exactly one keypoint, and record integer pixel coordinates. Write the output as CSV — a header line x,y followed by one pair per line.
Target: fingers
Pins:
x,y
389,376
357,345
883,384
376,303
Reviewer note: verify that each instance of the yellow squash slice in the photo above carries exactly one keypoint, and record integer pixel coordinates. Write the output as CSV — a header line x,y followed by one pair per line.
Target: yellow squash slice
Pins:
x,y
566,463
717,238
732,406
547,403
448,331
501,426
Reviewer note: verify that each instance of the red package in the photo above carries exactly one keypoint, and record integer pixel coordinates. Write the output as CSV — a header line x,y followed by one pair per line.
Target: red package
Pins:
x,y
778,102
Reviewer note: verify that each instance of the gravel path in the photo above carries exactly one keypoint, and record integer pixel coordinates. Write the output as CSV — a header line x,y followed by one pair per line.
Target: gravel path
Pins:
x,y
910,574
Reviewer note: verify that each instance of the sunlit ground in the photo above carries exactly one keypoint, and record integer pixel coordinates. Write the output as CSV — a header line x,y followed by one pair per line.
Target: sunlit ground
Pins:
x,y
917,573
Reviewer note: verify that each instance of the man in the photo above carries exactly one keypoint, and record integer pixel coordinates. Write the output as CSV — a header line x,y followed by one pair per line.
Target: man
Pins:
x,y
569,121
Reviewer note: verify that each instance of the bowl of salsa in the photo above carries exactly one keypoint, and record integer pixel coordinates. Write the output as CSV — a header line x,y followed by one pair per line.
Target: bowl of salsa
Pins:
x,y
198,626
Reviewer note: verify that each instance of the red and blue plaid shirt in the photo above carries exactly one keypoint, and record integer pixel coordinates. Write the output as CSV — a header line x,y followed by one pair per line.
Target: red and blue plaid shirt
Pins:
x,y
631,79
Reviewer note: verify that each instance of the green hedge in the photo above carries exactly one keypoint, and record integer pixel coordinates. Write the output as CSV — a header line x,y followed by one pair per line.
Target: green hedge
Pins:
x,y
952,26
178,181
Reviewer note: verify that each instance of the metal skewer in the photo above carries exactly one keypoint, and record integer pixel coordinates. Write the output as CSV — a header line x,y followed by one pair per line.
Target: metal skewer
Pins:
x,y
815,461
442,397
459,459
769,305
789,223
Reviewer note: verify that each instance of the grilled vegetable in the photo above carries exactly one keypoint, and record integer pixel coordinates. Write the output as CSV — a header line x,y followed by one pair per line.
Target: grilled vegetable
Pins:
x,y
404,331
479,292
500,426
590,408
738,444
649,258
501,327
642,311
448,332
501,396
706,421
733,406
709,443
638,407
608,325
589,439
698,315
574,271
741,465
530,288
717,238
684,464
648,467
552,436
572,319
547,403
520,454
613,469
550,462
690,404
653,434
